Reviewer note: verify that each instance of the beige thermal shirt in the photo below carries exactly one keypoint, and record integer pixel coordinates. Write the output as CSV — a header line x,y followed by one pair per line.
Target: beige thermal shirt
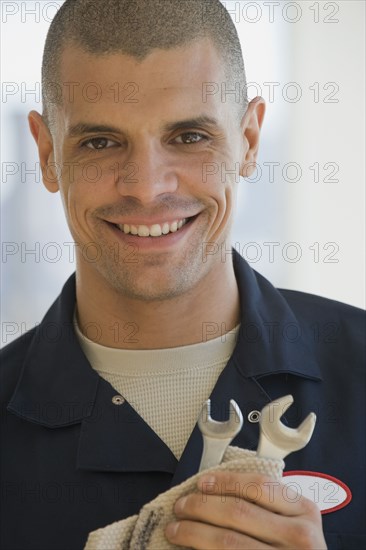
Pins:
x,y
167,387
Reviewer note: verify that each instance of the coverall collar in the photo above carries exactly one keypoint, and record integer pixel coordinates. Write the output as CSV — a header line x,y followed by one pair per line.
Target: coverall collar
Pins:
x,y
271,339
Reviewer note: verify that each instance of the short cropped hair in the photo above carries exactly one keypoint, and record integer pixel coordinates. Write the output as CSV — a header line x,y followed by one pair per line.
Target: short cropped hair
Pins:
x,y
135,28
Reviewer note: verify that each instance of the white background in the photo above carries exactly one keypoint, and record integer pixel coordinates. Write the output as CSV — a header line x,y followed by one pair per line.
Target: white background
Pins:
x,y
307,60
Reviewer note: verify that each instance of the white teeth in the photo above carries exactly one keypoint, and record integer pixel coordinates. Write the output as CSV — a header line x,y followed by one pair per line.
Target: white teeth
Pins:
x,y
143,231
155,230
165,229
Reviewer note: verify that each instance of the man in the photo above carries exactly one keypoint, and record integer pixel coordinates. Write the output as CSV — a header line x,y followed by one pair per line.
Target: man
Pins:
x,y
102,398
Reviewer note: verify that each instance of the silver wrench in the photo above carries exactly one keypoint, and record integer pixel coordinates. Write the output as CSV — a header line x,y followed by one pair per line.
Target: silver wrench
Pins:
x,y
277,440
217,436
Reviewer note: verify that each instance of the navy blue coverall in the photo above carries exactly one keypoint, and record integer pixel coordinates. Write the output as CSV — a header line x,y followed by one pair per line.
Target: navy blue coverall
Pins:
x,y
73,461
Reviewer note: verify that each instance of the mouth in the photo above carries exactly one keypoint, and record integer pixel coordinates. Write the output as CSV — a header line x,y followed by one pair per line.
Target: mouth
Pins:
x,y
155,230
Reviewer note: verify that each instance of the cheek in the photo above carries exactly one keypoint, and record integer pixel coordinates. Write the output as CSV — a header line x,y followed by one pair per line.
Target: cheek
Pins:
x,y
87,185
220,176
88,173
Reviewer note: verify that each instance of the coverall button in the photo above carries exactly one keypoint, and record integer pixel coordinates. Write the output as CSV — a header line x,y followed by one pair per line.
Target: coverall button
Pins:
x,y
118,400
254,416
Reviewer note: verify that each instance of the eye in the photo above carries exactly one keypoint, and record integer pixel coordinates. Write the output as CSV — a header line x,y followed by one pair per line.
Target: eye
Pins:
x,y
98,143
190,138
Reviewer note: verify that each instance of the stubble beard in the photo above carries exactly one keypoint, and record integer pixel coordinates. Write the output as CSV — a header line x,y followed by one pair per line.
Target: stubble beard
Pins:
x,y
152,277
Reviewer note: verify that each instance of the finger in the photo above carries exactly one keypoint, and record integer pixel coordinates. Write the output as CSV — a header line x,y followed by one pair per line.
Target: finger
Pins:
x,y
233,513
200,536
260,489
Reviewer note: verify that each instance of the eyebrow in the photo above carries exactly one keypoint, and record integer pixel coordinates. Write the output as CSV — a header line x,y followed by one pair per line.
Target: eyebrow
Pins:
x,y
202,120
82,128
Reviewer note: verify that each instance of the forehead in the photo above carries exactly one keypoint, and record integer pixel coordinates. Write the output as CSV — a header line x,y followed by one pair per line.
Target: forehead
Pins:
x,y
165,81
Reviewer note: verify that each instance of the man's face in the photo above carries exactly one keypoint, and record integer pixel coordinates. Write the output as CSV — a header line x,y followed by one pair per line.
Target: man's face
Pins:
x,y
142,149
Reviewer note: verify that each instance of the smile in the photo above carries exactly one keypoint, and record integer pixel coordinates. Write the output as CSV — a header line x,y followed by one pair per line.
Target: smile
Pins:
x,y
155,230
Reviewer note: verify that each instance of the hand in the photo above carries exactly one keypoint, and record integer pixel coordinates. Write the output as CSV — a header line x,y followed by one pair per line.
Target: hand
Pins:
x,y
236,510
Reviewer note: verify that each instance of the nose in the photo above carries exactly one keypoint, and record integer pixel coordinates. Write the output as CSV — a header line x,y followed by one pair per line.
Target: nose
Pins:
x,y
147,173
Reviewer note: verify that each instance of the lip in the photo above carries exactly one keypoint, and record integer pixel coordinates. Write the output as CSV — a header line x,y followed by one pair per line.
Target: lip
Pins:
x,y
153,243
152,221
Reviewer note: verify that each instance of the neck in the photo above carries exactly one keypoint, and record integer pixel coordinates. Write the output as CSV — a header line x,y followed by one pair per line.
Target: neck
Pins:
x,y
210,309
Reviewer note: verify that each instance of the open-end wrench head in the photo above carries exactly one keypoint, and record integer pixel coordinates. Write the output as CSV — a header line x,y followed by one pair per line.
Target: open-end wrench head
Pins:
x,y
277,440
274,410
227,429
306,427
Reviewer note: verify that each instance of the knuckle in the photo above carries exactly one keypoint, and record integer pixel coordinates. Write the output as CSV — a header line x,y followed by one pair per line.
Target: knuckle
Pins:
x,y
261,479
229,539
304,535
240,510
310,508
228,478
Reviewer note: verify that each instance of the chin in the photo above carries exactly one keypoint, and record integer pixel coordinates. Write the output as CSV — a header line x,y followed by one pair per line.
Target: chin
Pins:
x,y
150,282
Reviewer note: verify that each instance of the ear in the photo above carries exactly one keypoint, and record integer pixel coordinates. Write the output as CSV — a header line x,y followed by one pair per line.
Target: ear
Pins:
x,y
251,126
44,141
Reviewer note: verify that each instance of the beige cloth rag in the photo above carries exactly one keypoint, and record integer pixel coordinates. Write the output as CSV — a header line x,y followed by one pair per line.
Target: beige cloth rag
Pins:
x,y
145,531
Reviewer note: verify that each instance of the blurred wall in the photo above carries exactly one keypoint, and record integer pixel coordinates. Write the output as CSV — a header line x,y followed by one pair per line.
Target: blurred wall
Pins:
x,y
307,201
301,217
